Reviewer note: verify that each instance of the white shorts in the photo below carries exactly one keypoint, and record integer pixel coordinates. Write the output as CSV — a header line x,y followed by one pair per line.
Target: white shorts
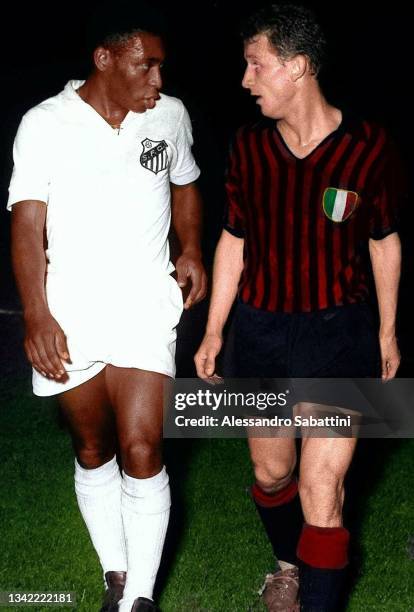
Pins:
x,y
129,331
45,386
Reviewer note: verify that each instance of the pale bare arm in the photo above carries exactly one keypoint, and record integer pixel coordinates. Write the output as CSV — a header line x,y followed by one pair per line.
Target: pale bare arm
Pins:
x,y
228,266
386,265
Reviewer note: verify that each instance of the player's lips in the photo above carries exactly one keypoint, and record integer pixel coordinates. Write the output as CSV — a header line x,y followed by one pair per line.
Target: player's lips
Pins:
x,y
150,101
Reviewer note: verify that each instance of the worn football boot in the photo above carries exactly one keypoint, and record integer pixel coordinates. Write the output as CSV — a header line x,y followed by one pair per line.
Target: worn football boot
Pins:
x,y
142,604
280,591
116,583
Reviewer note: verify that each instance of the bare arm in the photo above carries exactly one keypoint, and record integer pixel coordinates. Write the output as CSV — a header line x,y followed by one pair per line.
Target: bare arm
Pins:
x,y
228,266
187,219
45,342
386,265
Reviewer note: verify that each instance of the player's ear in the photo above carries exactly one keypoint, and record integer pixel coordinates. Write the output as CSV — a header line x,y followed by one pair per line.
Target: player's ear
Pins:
x,y
102,58
298,67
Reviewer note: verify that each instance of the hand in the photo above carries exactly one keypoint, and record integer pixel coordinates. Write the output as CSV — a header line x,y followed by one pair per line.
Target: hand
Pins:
x,y
190,266
390,356
205,358
45,345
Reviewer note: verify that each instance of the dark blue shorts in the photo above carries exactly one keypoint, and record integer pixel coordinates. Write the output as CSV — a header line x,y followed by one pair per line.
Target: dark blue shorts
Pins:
x,y
338,342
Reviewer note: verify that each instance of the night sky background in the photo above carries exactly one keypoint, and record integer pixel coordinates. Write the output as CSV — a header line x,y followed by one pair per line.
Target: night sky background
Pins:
x,y
42,47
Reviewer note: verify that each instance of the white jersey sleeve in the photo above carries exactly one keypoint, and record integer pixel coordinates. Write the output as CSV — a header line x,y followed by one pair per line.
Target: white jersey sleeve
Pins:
x,y
183,169
31,172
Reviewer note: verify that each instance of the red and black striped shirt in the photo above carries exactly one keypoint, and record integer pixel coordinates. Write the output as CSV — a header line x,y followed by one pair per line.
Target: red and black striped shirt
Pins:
x,y
306,222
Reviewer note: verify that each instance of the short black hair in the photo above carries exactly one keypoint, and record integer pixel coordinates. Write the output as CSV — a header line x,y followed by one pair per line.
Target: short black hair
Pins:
x,y
114,22
292,29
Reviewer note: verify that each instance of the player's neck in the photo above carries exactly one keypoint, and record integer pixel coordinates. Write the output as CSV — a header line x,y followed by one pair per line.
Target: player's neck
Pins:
x,y
309,120
94,93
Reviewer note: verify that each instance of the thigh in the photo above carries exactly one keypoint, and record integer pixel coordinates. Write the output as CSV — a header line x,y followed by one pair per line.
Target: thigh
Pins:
x,y
87,411
328,420
137,397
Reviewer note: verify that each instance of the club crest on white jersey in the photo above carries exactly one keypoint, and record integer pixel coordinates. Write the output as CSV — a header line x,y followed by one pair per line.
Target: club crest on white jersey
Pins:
x,y
154,155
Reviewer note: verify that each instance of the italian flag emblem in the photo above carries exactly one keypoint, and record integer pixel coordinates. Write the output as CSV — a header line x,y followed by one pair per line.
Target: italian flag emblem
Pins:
x,y
339,204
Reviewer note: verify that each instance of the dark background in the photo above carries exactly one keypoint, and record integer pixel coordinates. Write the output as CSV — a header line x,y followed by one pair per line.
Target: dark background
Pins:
x,y
42,47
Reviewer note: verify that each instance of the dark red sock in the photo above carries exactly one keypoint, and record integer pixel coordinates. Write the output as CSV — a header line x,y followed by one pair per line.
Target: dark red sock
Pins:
x,y
270,500
323,554
324,547
282,518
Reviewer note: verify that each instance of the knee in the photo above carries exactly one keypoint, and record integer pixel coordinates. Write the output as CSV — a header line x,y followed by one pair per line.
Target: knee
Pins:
x,y
271,476
141,458
93,456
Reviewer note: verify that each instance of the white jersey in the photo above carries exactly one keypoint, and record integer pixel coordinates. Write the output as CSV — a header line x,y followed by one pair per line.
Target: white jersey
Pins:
x,y
108,216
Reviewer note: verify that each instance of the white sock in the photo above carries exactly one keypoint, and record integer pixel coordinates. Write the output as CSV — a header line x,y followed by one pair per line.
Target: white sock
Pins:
x,y
145,512
99,498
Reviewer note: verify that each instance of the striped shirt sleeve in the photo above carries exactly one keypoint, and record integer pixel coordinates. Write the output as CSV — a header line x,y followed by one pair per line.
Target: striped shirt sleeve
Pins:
x,y
389,193
234,218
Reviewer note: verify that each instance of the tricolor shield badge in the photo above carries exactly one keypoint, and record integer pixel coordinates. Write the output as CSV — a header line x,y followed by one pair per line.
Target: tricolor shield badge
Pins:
x,y
154,155
339,204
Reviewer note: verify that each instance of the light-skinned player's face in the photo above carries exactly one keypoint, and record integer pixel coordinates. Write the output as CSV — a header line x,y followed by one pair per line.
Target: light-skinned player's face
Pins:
x,y
133,72
267,77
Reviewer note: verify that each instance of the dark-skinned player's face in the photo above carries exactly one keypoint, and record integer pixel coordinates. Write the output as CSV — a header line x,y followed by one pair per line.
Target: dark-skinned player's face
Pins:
x,y
133,73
